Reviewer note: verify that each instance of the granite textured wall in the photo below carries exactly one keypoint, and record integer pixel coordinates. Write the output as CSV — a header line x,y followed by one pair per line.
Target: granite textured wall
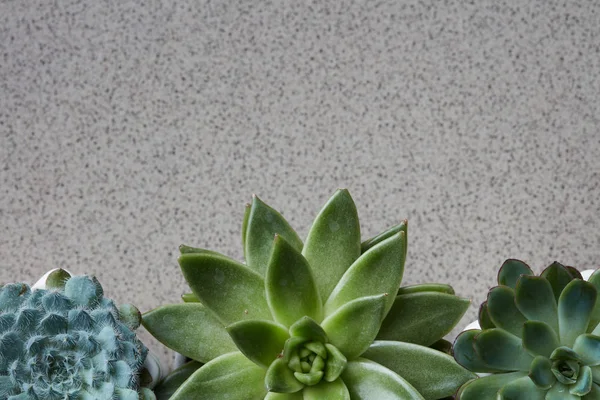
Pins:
x,y
129,127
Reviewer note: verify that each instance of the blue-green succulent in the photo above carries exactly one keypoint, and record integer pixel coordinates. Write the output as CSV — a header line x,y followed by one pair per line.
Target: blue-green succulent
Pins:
x,y
67,342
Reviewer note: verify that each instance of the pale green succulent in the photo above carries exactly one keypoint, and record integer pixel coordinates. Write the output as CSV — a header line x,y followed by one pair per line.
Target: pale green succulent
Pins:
x,y
323,319
68,342
539,337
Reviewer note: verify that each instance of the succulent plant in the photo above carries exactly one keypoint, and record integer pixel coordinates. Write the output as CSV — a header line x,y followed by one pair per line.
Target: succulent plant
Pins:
x,y
539,337
68,342
323,319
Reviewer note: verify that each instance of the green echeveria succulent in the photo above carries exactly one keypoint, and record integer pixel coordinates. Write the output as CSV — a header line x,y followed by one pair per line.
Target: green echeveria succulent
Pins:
x,y
323,319
67,342
539,337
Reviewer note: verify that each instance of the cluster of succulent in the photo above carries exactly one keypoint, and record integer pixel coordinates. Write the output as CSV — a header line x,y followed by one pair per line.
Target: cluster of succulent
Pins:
x,y
321,319
539,337
68,342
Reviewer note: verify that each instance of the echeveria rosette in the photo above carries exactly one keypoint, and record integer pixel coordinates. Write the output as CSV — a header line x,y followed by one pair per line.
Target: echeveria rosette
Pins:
x,y
68,342
302,320
539,337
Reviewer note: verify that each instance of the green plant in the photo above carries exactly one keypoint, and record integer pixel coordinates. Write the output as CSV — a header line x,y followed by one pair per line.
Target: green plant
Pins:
x,y
323,319
539,337
68,342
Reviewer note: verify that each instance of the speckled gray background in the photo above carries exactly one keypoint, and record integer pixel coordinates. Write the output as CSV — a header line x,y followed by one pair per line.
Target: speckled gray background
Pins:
x,y
127,128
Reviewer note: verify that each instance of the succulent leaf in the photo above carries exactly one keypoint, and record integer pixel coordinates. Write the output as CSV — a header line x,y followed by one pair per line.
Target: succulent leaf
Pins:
x,y
230,376
560,392
361,374
502,350
588,348
435,375
401,227
262,225
575,307
280,378
227,288
284,396
333,242
584,382
539,338
521,389
503,310
335,390
535,299
558,276
261,341
169,385
308,329
290,286
426,287
487,387
379,270
422,317
541,374
174,325
485,321
353,327
510,272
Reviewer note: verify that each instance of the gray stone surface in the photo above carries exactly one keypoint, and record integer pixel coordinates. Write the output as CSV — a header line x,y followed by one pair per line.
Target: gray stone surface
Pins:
x,y
127,128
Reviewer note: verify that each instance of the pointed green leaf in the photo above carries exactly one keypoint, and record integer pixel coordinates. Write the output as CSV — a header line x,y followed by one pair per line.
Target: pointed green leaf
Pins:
x,y
465,354
588,348
333,242
487,387
379,270
226,287
247,210
485,322
560,392
521,389
503,311
401,227
336,362
499,349
169,385
280,378
535,299
575,307
510,272
183,249
291,289
367,380
541,374
262,225
595,318
189,329
558,276
335,390
230,376
426,287
353,326
422,318
434,374
584,382
307,328
190,298
539,338
261,341
575,274
284,396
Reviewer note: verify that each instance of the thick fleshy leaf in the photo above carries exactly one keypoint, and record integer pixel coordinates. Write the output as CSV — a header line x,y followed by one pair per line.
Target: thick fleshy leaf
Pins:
x,y
560,392
307,328
333,242
284,396
588,348
574,272
503,311
377,271
336,362
263,224
247,210
499,349
230,376
541,374
190,298
442,345
486,388
291,289
575,307
189,329
539,338
465,354
521,389
280,378
558,276
535,299
434,374
595,318
594,394
510,272
584,382
485,322
227,288
335,390
183,249
367,380
422,317
261,341
401,227
426,287
353,326
169,385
